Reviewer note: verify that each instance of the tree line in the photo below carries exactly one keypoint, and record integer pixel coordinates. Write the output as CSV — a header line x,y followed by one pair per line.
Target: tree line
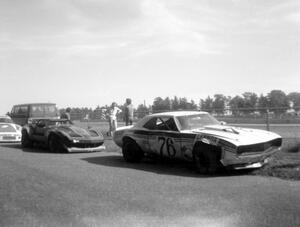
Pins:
x,y
249,103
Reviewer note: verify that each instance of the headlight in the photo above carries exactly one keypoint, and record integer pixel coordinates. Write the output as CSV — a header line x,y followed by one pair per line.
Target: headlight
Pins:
x,y
75,141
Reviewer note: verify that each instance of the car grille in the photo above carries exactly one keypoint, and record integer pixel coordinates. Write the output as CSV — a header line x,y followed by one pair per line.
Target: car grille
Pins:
x,y
260,146
86,145
8,137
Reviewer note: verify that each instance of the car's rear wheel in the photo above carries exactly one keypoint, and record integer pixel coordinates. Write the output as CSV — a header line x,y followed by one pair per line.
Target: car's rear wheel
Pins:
x,y
55,145
26,142
131,151
206,159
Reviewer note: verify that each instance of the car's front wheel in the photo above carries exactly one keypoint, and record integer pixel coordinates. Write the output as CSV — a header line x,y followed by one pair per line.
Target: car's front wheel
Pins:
x,y
206,159
55,145
25,140
131,151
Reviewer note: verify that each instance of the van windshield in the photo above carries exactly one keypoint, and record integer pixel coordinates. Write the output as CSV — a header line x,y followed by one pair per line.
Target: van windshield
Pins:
x,y
44,110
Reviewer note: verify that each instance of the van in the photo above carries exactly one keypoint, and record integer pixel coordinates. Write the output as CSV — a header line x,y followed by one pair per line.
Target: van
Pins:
x,y
24,113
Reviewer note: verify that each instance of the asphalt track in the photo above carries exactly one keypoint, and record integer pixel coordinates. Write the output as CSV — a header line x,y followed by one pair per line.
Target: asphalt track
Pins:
x,y
38,188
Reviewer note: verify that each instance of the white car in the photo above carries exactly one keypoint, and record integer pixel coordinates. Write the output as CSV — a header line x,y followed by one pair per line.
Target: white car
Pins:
x,y
199,137
9,132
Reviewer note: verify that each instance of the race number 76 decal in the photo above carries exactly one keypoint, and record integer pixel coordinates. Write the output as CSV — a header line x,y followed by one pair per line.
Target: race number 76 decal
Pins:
x,y
168,144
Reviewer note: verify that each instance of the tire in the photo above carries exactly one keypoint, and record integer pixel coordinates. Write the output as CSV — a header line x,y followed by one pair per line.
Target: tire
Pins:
x,y
206,159
25,140
131,151
55,145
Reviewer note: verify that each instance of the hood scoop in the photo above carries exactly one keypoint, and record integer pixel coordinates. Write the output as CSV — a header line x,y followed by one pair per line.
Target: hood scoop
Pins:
x,y
222,128
76,130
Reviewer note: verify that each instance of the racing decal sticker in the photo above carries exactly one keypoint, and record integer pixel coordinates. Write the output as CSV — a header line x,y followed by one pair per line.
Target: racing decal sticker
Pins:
x,y
166,146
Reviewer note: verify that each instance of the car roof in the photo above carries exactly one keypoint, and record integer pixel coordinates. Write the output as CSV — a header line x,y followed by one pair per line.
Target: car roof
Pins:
x,y
141,122
179,113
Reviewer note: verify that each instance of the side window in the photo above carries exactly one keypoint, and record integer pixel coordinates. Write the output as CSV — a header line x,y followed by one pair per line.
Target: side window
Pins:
x,y
50,109
169,124
37,110
15,110
20,110
151,124
23,110
161,123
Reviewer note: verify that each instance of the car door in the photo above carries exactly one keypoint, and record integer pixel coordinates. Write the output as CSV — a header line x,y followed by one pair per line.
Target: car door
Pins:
x,y
164,137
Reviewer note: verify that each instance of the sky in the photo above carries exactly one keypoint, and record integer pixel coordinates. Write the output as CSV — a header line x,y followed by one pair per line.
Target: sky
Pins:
x,y
84,53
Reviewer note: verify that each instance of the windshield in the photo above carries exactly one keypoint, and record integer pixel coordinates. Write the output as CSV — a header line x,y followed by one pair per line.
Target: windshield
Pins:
x,y
7,128
5,120
60,122
196,121
44,111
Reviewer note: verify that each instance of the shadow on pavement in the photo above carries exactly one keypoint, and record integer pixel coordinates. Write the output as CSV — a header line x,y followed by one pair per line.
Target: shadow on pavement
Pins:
x,y
11,145
34,149
166,167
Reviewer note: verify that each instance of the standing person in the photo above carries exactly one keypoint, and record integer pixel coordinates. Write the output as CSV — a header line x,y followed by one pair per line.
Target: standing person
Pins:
x,y
128,112
66,114
114,110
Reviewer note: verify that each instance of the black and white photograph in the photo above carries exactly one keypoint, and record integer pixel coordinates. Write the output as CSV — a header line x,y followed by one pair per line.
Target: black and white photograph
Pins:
x,y
149,113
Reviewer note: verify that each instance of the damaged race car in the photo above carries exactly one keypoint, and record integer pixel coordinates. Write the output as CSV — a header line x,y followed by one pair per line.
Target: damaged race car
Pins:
x,y
61,135
198,137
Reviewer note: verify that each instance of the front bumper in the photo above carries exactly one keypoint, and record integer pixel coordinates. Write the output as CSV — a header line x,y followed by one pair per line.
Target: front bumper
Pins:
x,y
247,160
10,139
87,149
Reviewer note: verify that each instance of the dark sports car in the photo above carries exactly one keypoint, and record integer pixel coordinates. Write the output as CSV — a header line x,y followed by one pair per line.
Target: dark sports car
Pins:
x,y
61,135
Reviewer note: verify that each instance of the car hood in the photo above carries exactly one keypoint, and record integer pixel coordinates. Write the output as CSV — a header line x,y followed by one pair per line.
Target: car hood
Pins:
x,y
237,135
74,131
10,128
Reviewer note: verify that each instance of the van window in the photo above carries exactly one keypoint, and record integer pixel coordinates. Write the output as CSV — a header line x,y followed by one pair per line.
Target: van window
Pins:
x,y
15,110
43,111
20,110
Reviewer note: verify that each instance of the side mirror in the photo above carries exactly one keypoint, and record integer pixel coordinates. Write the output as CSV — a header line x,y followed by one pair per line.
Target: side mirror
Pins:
x,y
223,122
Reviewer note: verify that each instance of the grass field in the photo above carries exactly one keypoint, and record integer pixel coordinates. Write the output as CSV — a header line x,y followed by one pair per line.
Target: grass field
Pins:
x,y
284,164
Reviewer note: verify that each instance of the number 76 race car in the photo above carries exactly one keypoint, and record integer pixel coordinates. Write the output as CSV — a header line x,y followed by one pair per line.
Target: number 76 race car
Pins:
x,y
198,137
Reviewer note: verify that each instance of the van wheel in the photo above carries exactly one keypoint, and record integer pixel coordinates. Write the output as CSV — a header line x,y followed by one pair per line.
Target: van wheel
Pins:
x,y
131,151
206,159
25,140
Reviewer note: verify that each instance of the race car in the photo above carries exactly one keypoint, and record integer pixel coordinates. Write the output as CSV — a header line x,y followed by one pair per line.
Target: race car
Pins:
x,y
61,135
198,137
9,132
